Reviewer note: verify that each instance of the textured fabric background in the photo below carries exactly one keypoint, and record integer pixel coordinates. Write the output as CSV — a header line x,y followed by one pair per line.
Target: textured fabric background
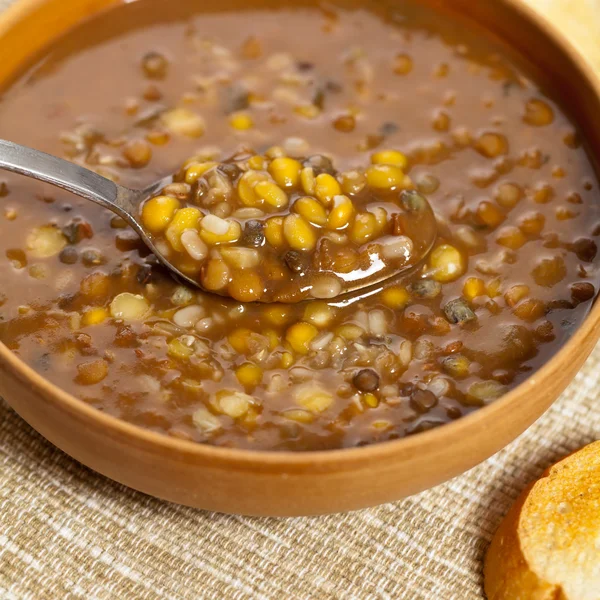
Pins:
x,y
68,533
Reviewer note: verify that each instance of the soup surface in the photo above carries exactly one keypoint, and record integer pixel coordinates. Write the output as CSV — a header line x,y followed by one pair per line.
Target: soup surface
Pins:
x,y
147,87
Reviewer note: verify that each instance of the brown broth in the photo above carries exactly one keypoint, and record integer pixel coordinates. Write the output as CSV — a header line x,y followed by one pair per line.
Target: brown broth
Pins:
x,y
456,108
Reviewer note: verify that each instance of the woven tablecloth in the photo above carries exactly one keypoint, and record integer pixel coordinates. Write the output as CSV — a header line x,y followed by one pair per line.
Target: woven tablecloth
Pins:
x,y
67,532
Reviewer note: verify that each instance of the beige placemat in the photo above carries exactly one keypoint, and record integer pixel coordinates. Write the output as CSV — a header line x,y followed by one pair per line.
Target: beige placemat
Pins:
x,y
66,532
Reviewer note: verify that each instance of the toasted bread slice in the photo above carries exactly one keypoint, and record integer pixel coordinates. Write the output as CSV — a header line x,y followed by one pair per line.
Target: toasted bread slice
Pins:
x,y
578,19
548,545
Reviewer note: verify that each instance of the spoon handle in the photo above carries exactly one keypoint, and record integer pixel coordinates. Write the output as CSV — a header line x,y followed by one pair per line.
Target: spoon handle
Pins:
x,y
68,176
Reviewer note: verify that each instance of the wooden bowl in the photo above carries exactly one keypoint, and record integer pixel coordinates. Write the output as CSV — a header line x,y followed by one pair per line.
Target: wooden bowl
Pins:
x,y
285,483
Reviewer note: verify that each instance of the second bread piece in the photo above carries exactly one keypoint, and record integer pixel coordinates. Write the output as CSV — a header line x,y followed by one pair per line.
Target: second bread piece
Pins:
x,y
548,546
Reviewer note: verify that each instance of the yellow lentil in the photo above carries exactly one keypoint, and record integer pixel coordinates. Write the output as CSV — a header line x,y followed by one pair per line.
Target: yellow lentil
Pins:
x,y
385,177
300,335
390,157
94,316
447,263
326,188
241,121
311,210
395,297
473,287
285,171
298,233
341,212
249,375
185,218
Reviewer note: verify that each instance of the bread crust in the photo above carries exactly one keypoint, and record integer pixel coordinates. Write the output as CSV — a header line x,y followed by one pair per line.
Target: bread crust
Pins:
x,y
548,545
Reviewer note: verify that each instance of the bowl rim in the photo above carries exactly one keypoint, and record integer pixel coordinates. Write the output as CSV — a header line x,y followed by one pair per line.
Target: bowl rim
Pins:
x,y
339,459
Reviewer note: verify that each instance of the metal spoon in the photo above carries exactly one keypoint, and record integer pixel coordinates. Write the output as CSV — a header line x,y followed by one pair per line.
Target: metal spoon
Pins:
x,y
126,202
82,182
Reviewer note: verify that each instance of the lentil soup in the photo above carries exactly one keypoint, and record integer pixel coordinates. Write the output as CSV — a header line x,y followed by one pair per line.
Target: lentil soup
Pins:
x,y
147,87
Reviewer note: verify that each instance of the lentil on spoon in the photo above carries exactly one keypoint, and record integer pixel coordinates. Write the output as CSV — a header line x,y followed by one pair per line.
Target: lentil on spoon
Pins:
x,y
272,228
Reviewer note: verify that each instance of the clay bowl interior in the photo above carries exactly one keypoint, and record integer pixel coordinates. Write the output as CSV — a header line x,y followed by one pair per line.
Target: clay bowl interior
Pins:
x,y
285,483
